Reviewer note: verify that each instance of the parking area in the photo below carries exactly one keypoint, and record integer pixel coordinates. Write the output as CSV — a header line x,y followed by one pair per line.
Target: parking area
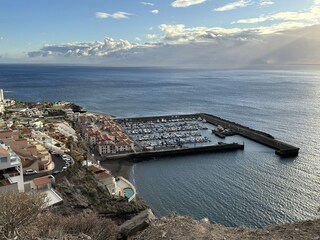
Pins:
x,y
61,162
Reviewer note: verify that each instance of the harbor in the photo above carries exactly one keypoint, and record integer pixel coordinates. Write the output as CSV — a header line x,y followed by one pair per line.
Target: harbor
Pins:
x,y
185,134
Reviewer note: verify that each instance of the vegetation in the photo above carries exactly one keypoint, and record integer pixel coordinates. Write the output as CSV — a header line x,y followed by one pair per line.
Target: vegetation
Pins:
x,y
18,211
56,226
23,216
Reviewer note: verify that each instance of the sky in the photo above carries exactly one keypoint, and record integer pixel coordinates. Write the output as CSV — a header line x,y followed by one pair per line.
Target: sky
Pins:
x,y
160,32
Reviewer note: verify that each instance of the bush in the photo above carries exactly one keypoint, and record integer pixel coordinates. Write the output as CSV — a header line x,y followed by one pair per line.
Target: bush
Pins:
x,y
18,211
57,226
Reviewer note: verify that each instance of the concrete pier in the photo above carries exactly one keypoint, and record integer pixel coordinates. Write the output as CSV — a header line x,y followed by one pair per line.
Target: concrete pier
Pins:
x,y
282,149
139,156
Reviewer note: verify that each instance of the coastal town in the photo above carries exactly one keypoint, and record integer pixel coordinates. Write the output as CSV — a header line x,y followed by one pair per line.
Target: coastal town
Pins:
x,y
40,142
57,149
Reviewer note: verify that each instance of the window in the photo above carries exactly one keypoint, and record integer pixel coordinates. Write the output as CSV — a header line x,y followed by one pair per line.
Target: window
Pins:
x,y
4,159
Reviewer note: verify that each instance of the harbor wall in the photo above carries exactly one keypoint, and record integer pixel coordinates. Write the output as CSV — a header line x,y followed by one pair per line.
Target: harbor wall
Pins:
x,y
282,149
139,156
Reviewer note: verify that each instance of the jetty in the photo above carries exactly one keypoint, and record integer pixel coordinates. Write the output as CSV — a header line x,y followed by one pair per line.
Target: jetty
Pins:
x,y
282,149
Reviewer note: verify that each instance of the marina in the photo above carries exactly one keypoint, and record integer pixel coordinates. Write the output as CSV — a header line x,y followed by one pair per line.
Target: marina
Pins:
x,y
164,135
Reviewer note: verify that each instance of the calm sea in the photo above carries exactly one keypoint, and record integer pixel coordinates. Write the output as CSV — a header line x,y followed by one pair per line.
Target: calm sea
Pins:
x,y
253,187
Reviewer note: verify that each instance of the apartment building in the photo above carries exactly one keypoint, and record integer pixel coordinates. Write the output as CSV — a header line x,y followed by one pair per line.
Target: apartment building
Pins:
x,y
11,172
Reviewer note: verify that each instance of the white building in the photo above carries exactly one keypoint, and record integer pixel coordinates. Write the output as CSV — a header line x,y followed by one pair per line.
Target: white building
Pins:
x,y
11,172
1,101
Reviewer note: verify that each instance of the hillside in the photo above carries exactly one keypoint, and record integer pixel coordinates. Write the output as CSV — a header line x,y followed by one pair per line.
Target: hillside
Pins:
x,y
178,227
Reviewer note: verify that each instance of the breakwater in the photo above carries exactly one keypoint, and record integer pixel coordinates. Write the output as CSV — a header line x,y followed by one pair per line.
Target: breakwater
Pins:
x,y
282,149
139,156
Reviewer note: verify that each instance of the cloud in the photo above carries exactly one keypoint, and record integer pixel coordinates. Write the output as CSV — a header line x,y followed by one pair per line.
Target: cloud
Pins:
x,y
266,3
186,3
137,39
233,5
179,33
116,15
283,43
147,3
311,15
83,49
1,38
155,11
152,36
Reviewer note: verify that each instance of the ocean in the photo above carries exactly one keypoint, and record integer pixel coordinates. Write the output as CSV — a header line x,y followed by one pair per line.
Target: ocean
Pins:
x,y
253,187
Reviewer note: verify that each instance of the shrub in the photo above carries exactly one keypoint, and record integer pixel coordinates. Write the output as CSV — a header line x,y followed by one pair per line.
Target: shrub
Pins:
x,y
18,211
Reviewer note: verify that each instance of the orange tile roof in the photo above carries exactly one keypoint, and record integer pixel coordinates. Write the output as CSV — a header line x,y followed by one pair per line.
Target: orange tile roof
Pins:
x,y
93,168
4,151
41,181
102,175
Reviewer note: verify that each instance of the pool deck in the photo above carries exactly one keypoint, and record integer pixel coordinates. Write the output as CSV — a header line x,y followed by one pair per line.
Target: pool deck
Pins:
x,y
124,183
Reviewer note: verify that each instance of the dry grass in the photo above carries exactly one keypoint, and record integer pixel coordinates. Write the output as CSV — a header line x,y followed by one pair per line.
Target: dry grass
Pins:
x,y
54,226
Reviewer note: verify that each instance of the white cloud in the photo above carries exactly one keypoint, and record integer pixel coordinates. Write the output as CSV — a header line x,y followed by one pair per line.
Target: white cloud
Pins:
x,y
233,5
155,11
116,15
152,36
311,15
96,48
1,38
147,3
186,3
179,33
138,39
281,43
266,3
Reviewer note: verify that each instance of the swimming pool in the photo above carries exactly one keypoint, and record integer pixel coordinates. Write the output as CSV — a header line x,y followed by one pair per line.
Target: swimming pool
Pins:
x,y
128,192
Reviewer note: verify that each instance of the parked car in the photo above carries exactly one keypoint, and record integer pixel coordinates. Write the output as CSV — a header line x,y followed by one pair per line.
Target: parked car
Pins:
x,y
30,172
55,153
55,172
64,168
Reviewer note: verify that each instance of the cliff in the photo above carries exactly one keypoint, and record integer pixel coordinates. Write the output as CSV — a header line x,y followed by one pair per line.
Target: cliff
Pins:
x,y
89,212
81,193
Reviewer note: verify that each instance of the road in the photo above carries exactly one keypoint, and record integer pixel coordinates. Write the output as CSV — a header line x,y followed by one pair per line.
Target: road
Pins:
x,y
58,165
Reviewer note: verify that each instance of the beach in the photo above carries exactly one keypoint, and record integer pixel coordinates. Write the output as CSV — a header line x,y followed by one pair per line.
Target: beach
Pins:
x,y
118,167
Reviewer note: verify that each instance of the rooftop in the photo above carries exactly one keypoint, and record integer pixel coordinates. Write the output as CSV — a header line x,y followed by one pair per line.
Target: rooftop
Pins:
x,y
3,151
41,181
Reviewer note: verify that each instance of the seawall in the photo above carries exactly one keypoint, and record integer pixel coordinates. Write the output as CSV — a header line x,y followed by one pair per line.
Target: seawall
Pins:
x,y
282,149
139,156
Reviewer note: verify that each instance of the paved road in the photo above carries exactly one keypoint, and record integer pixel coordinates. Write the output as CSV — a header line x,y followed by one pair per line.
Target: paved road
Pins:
x,y
58,163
